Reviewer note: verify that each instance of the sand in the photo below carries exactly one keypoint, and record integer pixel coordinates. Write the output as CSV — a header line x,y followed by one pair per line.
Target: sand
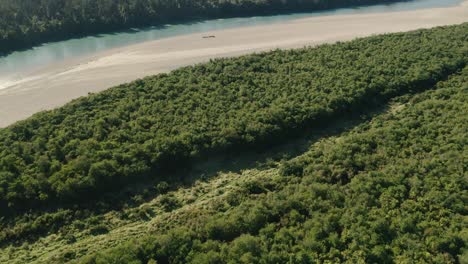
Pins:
x,y
59,83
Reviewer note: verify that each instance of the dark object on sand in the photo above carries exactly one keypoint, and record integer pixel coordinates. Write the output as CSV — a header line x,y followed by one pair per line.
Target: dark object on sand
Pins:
x,y
209,36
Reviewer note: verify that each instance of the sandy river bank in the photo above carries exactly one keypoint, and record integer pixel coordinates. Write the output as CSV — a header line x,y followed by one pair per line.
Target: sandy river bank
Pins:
x,y
57,84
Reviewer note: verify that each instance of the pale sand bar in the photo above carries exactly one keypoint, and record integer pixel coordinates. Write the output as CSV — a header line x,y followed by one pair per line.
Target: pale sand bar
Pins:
x,y
59,83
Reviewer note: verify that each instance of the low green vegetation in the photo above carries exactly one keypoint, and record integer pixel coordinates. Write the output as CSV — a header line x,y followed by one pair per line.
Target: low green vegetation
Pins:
x,y
136,131
28,22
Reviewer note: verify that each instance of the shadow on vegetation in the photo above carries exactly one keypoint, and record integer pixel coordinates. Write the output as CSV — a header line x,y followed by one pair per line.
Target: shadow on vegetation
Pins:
x,y
263,157
201,169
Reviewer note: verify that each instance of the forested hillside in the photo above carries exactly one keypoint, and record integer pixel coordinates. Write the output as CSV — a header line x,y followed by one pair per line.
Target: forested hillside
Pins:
x,y
28,22
136,131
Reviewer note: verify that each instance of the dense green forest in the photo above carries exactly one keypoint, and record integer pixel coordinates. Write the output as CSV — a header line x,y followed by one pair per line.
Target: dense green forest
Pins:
x,y
24,23
136,131
392,190
347,153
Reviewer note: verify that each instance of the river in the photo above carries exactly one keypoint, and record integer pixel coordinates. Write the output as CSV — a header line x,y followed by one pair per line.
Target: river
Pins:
x,y
17,64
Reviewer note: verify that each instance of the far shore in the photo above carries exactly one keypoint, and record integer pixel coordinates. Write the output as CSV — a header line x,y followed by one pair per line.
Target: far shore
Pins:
x,y
57,84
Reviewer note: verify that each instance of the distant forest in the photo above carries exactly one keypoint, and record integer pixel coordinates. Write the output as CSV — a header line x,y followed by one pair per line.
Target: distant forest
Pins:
x,y
24,23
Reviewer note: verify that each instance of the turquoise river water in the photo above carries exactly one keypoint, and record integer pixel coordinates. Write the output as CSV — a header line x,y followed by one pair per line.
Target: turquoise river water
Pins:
x,y
40,56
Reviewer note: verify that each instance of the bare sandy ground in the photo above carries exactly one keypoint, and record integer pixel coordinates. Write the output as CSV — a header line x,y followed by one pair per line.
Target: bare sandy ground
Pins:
x,y
59,83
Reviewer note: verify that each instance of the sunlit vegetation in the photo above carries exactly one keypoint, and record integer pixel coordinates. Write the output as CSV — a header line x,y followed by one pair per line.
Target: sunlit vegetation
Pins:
x,y
136,131
27,22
